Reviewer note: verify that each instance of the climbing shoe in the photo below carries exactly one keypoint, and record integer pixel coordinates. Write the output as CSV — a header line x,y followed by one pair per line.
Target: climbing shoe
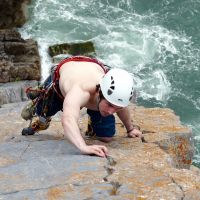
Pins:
x,y
89,132
28,131
37,123
40,123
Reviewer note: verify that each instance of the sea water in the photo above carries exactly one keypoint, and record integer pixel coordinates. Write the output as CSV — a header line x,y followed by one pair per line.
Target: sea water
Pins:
x,y
156,40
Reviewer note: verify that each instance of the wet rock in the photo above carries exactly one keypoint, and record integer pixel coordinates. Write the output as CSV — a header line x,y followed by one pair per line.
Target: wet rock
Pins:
x,y
84,48
13,13
10,35
19,59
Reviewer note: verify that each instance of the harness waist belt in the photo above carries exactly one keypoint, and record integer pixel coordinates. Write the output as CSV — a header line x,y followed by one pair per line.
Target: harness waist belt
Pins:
x,y
78,59
73,58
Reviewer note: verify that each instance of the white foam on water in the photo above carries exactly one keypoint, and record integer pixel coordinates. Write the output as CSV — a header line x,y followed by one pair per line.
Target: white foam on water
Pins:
x,y
163,87
156,86
122,38
124,42
45,60
127,41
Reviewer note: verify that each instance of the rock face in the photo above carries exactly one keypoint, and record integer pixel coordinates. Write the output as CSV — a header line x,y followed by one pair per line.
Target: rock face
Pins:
x,y
19,59
46,166
176,140
61,51
15,91
12,13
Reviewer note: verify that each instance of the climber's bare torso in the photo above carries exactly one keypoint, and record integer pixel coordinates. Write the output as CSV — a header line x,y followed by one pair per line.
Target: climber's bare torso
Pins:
x,y
82,76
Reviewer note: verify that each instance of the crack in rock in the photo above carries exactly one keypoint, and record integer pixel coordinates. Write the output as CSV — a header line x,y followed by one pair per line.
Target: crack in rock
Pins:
x,y
24,151
179,186
173,181
116,185
110,170
111,161
34,189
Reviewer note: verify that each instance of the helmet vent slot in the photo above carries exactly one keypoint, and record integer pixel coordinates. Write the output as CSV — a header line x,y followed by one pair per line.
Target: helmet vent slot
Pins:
x,y
112,80
131,95
112,87
109,92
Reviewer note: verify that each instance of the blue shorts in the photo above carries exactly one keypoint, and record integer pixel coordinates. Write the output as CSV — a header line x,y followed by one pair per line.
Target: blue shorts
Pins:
x,y
102,126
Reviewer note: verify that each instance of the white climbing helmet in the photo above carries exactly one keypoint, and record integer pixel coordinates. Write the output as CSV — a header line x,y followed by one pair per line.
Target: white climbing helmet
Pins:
x,y
117,87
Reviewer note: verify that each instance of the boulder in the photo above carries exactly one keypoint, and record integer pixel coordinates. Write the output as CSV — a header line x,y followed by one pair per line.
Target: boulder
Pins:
x,y
46,166
163,127
13,13
15,91
19,58
83,48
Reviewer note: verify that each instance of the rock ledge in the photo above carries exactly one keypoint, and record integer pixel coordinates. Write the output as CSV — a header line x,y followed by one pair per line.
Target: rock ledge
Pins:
x,y
46,166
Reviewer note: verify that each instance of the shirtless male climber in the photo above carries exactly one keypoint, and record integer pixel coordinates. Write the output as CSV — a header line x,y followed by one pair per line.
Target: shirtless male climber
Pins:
x,y
79,82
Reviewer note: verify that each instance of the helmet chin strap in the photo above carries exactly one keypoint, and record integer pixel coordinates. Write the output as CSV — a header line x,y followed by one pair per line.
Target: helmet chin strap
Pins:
x,y
98,101
98,98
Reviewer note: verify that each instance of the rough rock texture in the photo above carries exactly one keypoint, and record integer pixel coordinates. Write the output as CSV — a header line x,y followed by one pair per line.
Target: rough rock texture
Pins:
x,y
46,166
15,91
12,13
60,51
19,59
176,140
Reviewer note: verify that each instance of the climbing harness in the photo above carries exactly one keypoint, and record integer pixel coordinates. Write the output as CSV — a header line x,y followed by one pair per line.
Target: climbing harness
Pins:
x,y
44,93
